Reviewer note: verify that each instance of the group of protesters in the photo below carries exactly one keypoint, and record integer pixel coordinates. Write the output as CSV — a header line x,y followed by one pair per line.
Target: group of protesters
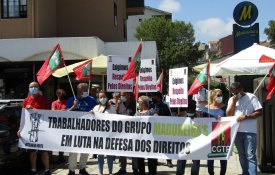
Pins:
x,y
243,105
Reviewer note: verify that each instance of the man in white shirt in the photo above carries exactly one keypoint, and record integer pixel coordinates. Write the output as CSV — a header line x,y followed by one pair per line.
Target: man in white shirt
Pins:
x,y
246,108
201,100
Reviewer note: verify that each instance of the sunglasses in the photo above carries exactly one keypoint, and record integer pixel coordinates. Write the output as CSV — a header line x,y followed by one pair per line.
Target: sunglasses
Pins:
x,y
219,95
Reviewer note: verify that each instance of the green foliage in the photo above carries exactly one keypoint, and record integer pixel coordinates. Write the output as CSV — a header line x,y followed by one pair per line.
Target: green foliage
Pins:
x,y
175,42
270,31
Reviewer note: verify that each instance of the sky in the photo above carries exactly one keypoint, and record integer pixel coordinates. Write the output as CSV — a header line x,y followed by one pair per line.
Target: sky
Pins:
x,y
213,19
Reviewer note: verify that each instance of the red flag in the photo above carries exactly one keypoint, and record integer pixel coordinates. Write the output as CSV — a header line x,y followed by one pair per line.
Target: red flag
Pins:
x,y
200,80
83,71
133,69
160,82
52,63
271,85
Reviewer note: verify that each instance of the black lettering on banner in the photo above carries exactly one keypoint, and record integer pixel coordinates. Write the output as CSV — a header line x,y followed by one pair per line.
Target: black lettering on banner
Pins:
x,y
142,145
82,141
66,140
117,126
119,144
169,147
138,127
98,143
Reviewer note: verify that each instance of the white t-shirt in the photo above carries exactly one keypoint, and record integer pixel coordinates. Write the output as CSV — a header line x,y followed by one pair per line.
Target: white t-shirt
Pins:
x,y
100,108
246,105
201,96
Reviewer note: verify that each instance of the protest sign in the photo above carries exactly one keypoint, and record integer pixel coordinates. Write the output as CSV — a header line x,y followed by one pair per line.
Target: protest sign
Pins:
x,y
116,68
178,83
120,135
147,76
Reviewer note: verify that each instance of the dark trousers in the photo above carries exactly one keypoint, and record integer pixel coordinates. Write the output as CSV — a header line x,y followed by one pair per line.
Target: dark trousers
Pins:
x,y
210,165
152,166
195,168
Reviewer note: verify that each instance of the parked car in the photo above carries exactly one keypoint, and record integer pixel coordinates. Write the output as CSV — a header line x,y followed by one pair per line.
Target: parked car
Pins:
x,y
12,159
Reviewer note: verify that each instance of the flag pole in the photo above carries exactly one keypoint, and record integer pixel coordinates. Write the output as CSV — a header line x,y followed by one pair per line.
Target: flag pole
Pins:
x,y
260,83
69,79
208,86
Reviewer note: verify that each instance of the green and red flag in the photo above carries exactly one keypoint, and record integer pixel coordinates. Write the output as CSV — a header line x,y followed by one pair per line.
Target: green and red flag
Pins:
x,y
160,82
200,81
271,85
52,63
83,71
133,69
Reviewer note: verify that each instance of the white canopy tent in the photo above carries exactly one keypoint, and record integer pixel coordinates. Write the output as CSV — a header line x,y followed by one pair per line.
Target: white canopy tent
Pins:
x,y
255,60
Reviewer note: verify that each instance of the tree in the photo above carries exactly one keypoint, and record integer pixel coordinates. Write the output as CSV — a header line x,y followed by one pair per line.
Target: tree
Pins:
x,y
270,32
175,42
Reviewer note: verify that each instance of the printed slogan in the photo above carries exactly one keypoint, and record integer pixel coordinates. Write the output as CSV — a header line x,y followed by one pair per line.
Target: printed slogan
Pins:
x,y
149,137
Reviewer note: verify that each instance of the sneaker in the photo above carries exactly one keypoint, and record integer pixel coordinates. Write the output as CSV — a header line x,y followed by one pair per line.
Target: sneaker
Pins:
x,y
48,172
83,172
121,172
33,173
169,164
71,172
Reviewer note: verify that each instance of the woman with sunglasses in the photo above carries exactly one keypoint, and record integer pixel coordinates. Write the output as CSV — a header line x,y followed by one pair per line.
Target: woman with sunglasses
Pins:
x,y
216,108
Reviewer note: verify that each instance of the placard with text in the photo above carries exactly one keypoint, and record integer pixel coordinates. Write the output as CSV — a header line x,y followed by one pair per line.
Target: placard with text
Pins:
x,y
178,87
147,76
117,66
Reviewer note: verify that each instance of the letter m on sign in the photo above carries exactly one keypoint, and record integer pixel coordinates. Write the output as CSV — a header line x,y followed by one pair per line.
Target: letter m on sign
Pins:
x,y
246,13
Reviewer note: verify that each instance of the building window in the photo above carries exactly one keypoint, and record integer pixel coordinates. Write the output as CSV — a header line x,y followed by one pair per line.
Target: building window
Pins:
x,y
14,8
115,14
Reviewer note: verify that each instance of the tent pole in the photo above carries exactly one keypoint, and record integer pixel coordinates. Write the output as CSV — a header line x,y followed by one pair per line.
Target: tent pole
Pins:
x,y
260,83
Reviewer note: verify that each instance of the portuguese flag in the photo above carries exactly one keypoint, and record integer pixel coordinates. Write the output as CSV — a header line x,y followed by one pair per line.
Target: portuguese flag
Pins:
x,y
271,85
83,71
52,63
200,80
133,69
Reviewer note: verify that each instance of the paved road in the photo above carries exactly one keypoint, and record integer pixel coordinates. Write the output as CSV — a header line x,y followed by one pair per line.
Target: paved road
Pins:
x,y
233,167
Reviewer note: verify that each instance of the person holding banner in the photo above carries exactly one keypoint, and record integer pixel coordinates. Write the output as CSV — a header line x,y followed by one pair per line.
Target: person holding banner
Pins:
x,y
143,102
161,109
246,108
104,107
60,104
36,101
82,102
126,106
217,110
181,164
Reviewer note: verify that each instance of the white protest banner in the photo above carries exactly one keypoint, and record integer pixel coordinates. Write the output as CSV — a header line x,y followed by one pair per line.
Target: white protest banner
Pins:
x,y
147,76
178,83
112,134
116,68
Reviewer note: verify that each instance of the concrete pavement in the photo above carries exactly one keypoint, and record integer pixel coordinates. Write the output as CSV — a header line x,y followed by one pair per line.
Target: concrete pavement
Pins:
x,y
233,167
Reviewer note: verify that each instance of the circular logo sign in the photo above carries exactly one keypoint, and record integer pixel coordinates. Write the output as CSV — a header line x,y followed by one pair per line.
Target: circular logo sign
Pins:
x,y
245,13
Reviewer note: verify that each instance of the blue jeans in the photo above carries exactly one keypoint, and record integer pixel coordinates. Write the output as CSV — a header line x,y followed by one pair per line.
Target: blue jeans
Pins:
x,y
101,163
246,144
195,168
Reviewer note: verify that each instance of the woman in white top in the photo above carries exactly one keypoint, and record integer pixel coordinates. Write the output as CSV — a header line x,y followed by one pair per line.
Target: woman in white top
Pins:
x,y
104,107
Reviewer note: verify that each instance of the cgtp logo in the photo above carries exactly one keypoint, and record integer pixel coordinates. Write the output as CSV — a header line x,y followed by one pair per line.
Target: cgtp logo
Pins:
x,y
220,139
35,119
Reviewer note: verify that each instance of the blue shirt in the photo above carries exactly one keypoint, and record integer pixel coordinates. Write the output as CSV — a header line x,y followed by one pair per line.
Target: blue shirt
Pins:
x,y
84,104
213,112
